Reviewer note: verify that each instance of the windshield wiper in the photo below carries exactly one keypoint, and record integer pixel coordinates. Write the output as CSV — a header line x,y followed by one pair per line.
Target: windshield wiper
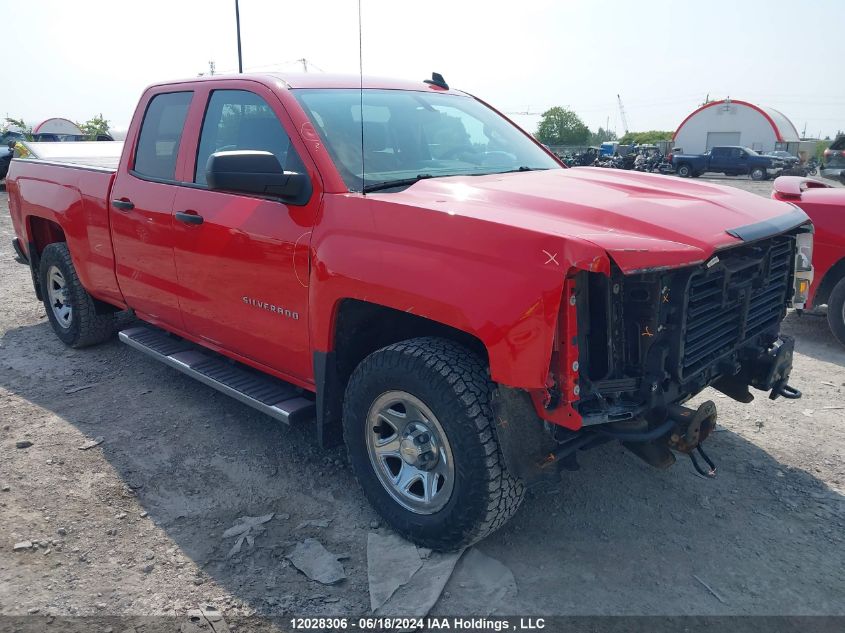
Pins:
x,y
390,184
523,168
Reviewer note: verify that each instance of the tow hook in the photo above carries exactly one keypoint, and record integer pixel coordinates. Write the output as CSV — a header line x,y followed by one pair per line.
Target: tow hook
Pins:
x,y
690,430
771,371
782,389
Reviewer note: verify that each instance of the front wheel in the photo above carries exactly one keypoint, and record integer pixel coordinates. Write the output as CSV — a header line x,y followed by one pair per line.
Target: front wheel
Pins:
x,y
419,429
758,173
70,308
836,311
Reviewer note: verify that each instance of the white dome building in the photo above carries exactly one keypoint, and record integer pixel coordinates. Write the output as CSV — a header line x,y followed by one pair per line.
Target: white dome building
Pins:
x,y
731,122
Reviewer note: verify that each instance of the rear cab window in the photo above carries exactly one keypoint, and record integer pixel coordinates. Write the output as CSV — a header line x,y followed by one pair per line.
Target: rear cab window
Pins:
x,y
161,134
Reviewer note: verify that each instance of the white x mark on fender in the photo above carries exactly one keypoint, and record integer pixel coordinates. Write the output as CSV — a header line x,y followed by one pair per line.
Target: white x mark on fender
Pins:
x,y
551,258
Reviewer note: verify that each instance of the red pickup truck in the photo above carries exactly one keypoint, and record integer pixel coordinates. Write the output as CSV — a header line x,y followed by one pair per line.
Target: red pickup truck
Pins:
x,y
825,205
400,262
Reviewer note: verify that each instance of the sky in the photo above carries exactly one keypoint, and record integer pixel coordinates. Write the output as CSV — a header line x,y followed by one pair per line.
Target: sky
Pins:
x,y
79,58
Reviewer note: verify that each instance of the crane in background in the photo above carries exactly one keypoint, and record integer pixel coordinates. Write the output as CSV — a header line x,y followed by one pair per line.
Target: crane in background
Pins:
x,y
622,114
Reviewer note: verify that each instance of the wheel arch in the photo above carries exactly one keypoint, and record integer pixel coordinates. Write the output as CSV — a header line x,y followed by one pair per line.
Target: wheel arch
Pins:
x,y
41,232
360,328
830,279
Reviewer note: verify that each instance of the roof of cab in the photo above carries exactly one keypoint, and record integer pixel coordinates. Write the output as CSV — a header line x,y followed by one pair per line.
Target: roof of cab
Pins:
x,y
322,80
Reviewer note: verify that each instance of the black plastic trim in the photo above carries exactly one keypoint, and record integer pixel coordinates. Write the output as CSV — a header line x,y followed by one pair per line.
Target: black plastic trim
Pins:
x,y
770,227
34,265
329,399
193,185
19,252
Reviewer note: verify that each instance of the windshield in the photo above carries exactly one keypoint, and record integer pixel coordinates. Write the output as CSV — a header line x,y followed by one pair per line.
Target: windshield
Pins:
x,y
411,135
750,151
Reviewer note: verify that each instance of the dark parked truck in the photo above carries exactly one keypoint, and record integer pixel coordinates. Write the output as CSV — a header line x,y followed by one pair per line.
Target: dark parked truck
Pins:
x,y
833,160
443,296
731,161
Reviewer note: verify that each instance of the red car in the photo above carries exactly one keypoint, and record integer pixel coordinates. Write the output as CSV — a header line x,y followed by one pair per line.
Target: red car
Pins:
x,y
401,262
825,205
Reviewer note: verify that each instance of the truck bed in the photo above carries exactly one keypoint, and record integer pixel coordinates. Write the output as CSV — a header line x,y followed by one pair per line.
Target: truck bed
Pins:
x,y
103,155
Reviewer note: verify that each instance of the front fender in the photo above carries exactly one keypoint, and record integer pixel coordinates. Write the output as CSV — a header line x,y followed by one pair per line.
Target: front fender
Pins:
x,y
497,283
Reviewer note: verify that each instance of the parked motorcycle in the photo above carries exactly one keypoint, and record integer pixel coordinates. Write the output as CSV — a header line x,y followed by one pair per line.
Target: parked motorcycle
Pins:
x,y
665,167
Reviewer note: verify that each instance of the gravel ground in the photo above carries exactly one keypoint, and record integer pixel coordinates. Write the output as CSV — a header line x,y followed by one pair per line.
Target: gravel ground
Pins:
x,y
134,525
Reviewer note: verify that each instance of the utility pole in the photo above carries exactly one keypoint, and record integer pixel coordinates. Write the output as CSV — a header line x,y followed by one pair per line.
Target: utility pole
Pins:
x,y
304,63
238,25
622,114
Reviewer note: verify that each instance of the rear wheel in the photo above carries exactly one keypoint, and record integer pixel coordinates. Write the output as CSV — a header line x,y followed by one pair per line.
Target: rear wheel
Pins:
x,y
419,431
70,308
758,173
684,171
836,311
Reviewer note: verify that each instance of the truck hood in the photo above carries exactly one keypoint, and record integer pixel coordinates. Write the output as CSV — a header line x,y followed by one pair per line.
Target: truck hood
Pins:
x,y
643,221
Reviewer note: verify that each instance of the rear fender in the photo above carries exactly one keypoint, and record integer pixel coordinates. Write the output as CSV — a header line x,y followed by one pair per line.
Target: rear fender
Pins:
x,y
66,204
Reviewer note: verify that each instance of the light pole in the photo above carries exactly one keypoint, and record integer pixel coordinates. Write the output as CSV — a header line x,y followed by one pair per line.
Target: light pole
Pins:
x,y
238,24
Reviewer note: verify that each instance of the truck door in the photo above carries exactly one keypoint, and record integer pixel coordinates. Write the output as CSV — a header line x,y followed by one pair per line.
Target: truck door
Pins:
x,y
740,157
141,209
244,267
718,159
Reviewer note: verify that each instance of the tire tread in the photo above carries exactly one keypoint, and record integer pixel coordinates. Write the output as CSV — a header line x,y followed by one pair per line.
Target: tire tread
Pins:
x,y
469,381
91,328
835,307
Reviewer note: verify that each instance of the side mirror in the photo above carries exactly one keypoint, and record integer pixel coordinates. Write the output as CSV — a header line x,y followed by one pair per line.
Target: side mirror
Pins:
x,y
254,171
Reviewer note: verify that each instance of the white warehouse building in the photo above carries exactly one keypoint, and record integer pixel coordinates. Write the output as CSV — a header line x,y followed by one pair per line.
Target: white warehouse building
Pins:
x,y
731,122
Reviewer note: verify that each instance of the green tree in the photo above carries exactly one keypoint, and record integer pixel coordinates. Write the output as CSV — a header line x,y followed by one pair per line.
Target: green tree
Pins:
x,y
646,138
24,129
821,146
94,127
560,126
597,138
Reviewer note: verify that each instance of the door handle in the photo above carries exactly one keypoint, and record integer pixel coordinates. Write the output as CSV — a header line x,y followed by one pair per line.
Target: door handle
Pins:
x,y
123,205
189,217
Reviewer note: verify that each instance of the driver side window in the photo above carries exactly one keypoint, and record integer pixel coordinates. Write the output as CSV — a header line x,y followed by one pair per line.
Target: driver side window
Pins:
x,y
241,120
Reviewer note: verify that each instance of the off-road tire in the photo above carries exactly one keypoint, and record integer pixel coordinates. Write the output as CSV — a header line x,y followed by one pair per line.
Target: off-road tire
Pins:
x,y
684,171
836,311
454,384
86,326
758,173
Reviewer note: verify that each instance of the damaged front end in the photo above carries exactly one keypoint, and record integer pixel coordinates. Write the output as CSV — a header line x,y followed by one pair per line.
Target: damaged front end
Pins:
x,y
632,348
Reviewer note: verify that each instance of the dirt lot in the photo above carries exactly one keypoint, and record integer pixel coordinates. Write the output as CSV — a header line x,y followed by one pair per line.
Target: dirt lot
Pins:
x,y
134,525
